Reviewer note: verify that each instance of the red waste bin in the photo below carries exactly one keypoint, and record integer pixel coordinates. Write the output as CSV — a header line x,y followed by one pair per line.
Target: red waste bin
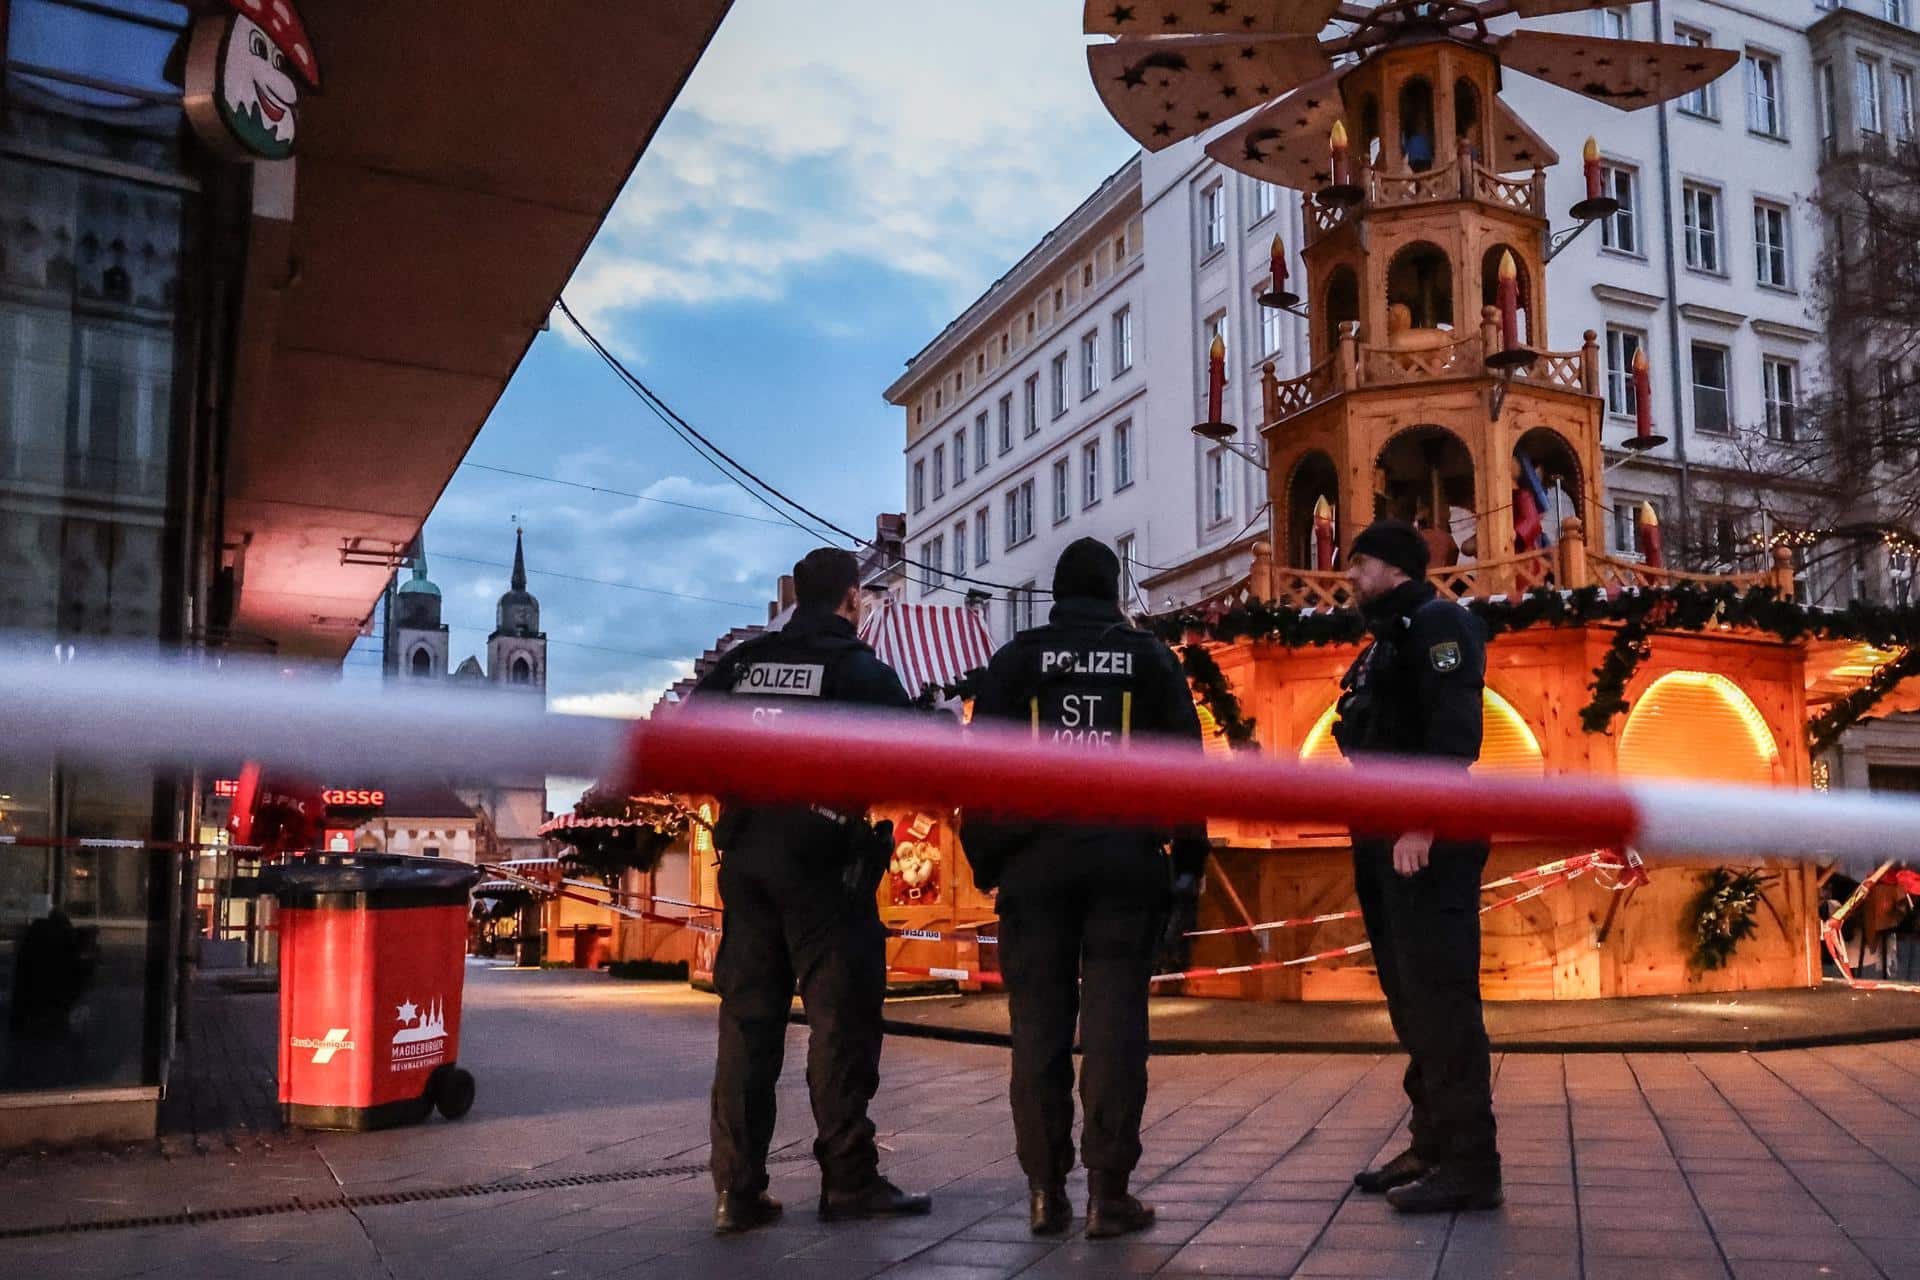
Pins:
x,y
372,962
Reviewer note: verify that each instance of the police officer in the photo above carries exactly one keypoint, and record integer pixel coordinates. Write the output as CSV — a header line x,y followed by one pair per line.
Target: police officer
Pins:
x,y
1415,691
798,885
1083,908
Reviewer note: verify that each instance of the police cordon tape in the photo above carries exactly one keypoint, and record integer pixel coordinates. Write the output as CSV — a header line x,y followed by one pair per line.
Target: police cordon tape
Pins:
x,y
171,714
1563,872
1833,926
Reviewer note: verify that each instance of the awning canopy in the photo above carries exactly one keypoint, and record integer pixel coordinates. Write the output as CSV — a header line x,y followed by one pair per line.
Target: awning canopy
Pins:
x,y
928,644
437,206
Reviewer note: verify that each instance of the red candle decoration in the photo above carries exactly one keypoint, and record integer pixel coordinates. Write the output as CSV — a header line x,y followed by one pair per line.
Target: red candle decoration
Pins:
x,y
1509,298
1649,522
1216,376
1323,535
1596,185
1277,261
1342,159
1642,396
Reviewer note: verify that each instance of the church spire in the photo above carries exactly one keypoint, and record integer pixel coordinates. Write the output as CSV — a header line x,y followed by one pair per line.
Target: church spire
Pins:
x,y
519,582
419,556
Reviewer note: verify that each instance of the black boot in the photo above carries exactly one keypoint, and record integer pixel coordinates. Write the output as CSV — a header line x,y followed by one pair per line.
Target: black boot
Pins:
x,y
878,1199
1110,1210
1397,1172
735,1211
1049,1212
1451,1188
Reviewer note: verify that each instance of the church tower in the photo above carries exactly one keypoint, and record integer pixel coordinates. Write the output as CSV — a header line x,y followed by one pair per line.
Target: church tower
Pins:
x,y
416,639
517,649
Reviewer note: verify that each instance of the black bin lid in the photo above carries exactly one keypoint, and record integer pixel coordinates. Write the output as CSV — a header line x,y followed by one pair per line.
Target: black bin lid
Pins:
x,y
386,874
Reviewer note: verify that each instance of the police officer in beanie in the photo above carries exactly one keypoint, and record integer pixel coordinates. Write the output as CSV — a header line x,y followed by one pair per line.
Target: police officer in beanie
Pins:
x,y
1415,691
799,886
1083,909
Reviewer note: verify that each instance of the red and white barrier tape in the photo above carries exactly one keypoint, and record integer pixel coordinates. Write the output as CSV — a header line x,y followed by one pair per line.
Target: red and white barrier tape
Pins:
x,y
144,713
1830,931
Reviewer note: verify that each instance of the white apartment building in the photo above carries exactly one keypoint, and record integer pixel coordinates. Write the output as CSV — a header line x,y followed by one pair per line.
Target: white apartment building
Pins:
x,y
1708,268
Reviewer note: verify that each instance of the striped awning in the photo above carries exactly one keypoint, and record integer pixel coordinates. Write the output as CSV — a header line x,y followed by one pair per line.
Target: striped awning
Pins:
x,y
928,644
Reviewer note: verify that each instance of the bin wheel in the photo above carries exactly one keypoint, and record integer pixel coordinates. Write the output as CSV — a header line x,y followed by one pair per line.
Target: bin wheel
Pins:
x,y
454,1097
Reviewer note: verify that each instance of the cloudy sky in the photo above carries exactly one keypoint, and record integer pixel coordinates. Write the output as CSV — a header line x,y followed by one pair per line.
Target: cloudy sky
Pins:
x,y
835,183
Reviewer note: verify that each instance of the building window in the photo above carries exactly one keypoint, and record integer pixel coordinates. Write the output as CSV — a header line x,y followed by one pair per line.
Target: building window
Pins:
x,y
1089,363
1902,105
1622,346
1712,413
1272,329
980,442
1060,384
920,484
1062,491
932,555
1122,456
1213,219
959,457
1006,423
1020,514
1266,198
1090,474
1020,608
1701,209
1129,585
1613,23
939,471
1704,101
1866,89
1219,492
1621,232
1626,525
422,663
982,540
1122,340
1894,11
959,548
1782,390
1059,302
521,672
1033,404
1772,249
1764,114
1119,246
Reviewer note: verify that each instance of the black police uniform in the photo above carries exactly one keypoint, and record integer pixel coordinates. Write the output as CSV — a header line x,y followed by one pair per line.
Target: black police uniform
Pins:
x,y
790,915
1416,691
1081,908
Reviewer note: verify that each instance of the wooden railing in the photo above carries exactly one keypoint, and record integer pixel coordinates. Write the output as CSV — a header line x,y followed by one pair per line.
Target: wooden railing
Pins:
x,y
1386,190
1613,574
1354,365
1558,369
1464,178
1509,576
1385,365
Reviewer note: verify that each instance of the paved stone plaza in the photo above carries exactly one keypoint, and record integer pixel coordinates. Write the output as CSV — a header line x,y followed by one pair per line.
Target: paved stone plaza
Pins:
x,y
1803,1163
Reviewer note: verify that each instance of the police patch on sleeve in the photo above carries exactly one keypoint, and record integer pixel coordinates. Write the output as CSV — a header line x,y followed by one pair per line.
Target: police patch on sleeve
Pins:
x,y
1445,657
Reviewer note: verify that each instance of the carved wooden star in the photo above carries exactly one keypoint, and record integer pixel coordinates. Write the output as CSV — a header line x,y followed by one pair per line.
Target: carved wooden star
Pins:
x,y
1203,116
1247,54
1162,129
1216,66
1229,91
1220,6
1170,19
1133,77
1121,13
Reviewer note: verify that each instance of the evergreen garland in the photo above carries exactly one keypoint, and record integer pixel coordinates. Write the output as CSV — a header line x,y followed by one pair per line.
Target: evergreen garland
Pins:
x,y
1723,915
1217,696
1638,613
1826,728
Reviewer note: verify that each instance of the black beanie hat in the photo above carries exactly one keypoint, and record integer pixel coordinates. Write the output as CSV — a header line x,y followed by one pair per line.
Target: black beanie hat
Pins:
x,y
1394,542
1087,568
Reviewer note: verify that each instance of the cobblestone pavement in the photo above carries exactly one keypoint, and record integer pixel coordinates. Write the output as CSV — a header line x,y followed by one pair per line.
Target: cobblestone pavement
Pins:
x,y
1791,1164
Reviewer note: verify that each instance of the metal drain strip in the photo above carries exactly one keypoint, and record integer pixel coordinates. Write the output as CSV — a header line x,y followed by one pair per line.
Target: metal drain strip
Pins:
x,y
366,1200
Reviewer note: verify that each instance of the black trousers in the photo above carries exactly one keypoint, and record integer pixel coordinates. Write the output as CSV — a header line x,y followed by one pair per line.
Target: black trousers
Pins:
x,y
1425,930
786,923
1078,931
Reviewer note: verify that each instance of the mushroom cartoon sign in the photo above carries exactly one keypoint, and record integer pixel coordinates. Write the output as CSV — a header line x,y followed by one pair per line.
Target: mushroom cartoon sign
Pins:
x,y
247,65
